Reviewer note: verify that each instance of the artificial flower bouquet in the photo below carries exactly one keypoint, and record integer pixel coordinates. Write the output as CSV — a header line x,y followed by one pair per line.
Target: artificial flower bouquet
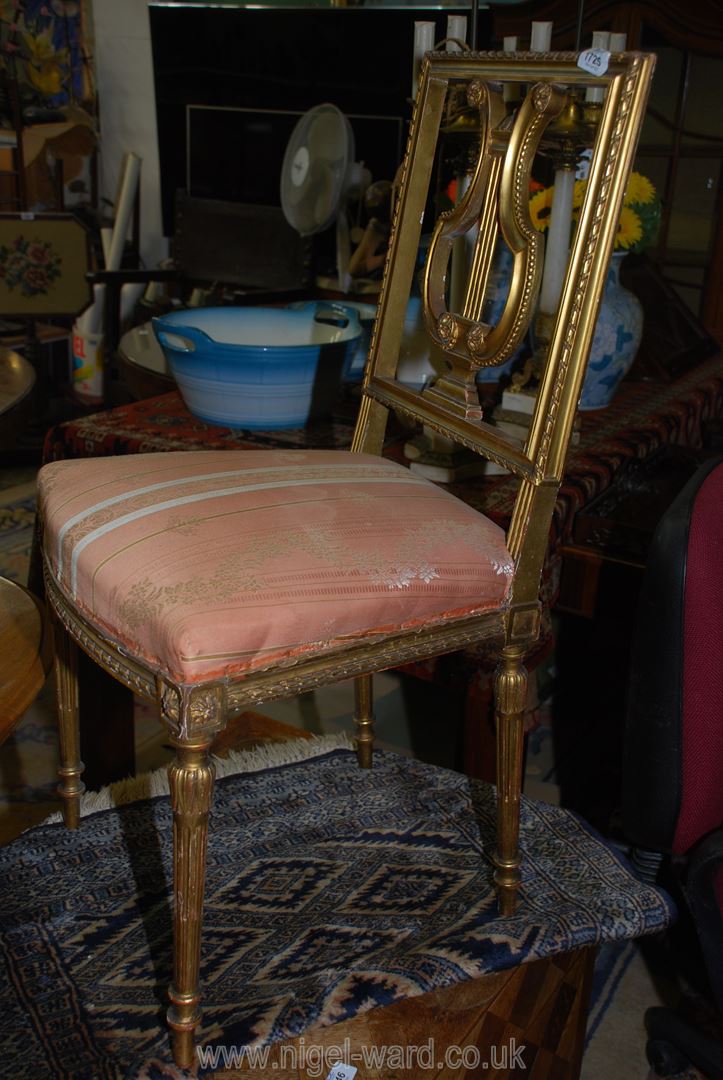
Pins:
x,y
639,217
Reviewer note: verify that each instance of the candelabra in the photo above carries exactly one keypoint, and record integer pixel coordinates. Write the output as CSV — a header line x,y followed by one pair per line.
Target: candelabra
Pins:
x,y
565,142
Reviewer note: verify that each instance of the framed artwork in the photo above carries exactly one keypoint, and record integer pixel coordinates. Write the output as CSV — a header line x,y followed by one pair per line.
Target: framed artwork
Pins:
x,y
47,47
44,261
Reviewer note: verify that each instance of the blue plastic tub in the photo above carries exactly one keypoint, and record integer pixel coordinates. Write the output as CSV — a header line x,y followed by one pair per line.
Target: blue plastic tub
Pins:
x,y
260,368
366,314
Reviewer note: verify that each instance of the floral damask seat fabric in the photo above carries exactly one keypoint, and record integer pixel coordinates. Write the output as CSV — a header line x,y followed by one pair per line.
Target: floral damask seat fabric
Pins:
x,y
212,564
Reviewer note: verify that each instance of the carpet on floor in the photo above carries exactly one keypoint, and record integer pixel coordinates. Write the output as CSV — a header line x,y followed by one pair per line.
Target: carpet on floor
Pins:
x,y
330,890
17,521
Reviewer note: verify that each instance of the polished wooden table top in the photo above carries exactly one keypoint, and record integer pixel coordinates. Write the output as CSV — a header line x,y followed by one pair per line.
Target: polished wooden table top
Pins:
x,y
17,378
25,653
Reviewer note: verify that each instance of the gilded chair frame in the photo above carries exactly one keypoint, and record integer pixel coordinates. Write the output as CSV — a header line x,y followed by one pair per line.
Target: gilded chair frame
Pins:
x,y
497,198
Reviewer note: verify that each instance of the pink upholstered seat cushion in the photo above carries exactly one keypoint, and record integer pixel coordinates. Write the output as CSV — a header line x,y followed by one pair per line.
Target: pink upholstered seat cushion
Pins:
x,y
204,564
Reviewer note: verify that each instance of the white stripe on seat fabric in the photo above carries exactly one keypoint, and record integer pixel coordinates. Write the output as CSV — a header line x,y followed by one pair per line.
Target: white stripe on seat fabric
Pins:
x,y
114,499
185,500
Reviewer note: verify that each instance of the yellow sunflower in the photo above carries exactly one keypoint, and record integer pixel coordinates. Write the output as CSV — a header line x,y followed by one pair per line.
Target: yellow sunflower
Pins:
x,y
639,190
630,229
540,208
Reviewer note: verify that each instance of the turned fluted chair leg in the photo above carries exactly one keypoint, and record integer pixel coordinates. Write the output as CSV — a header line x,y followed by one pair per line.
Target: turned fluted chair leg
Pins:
x,y
364,720
71,787
510,698
191,778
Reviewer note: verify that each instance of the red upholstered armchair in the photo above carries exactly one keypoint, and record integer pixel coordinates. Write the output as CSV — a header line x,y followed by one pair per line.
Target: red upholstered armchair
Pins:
x,y
673,778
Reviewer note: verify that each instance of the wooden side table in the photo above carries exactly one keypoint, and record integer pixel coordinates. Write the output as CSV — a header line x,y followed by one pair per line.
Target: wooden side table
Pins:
x,y
616,528
25,653
17,379
527,1020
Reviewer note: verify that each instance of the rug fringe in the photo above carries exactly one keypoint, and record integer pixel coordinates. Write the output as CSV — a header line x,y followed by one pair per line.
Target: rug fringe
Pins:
x,y
266,756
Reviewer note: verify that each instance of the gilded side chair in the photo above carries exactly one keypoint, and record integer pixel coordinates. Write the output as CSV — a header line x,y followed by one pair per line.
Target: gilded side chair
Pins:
x,y
215,581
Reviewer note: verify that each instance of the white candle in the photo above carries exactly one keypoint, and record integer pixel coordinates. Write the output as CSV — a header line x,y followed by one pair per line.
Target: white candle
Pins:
x,y
541,37
457,29
558,241
510,91
423,43
600,40
618,42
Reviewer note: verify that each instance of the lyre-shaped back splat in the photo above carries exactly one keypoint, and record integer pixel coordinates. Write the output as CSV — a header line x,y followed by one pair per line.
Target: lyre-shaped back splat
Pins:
x,y
498,191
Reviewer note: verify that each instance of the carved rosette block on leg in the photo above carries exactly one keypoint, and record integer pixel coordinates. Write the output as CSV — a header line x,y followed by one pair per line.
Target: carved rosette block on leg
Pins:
x,y
510,697
191,778
71,787
364,720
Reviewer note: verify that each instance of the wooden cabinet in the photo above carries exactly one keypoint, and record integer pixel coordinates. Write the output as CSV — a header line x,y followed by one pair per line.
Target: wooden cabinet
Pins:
x,y
681,147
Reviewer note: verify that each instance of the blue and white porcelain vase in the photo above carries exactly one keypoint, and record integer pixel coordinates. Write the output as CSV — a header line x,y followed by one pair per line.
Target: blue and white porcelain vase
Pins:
x,y
615,342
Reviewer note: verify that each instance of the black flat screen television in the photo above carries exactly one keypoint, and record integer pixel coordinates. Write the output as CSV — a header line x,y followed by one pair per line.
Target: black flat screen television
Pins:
x,y
231,81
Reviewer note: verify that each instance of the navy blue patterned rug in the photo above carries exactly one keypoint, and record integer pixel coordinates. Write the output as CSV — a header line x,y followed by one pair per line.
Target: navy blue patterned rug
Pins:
x,y
330,891
17,519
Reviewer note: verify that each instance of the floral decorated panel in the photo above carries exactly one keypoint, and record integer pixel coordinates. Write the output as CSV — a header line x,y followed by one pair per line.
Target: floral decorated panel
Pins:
x,y
43,263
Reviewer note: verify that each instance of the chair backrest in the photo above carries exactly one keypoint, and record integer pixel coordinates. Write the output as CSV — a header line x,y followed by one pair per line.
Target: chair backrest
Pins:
x,y
672,790
497,203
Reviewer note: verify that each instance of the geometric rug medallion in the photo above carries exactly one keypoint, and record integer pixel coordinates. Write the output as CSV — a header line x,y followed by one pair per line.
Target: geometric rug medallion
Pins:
x,y
330,890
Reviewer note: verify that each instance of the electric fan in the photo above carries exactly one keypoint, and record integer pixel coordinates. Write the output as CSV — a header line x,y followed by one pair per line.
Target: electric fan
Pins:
x,y
318,175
